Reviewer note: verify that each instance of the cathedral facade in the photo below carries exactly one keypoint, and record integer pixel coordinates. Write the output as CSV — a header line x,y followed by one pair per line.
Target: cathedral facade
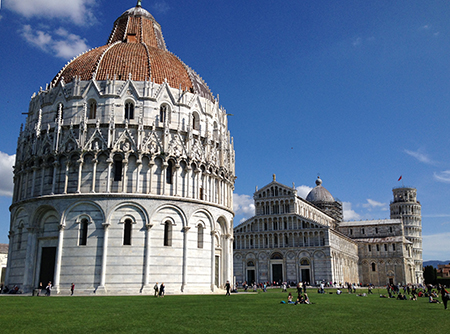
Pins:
x,y
291,239
124,174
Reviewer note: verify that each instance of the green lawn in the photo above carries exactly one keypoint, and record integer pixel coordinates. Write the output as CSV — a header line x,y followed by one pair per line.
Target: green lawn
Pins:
x,y
239,313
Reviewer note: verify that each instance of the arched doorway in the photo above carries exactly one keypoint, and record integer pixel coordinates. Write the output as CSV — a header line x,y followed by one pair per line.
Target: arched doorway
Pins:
x,y
250,272
305,270
276,265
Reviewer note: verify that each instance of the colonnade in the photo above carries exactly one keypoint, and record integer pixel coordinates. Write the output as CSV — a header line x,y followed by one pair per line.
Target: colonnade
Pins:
x,y
141,174
281,239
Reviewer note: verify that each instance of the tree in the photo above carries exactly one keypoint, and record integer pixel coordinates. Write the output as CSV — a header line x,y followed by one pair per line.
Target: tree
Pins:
x,y
430,275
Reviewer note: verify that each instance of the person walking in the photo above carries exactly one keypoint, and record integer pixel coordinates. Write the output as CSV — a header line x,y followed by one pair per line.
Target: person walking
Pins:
x,y
72,288
156,288
48,289
228,287
445,296
161,290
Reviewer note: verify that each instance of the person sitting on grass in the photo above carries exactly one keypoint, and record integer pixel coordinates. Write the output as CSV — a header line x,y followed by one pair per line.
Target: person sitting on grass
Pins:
x,y
306,299
290,298
431,300
338,291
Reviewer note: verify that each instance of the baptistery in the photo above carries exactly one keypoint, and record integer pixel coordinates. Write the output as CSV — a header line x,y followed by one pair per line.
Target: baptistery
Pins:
x,y
124,174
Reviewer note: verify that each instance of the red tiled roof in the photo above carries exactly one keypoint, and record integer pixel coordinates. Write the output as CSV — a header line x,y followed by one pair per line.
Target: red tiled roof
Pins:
x,y
135,46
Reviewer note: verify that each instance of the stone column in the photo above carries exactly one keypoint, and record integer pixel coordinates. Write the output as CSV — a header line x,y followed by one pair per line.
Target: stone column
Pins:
x,y
34,180
59,251
124,175
188,177
55,169
66,177
163,177
108,186
80,171
146,287
227,260
30,260
150,170
138,176
185,257
101,289
94,173
41,190
176,176
213,259
8,266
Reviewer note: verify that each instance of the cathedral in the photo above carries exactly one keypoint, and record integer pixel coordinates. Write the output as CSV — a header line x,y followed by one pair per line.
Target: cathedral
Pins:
x,y
291,239
124,174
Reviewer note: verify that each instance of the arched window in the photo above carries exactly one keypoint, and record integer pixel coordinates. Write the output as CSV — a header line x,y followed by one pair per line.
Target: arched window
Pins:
x,y
167,233
92,110
82,240
169,172
117,169
374,267
129,110
163,113
195,121
276,256
127,232
200,236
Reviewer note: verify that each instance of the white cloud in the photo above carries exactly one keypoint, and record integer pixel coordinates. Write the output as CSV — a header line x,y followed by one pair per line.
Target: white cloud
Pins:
x,y
78,11
349,214
357,41
160,7
303,191
62,44
243,205
6,181
436,246
420,156
443,176
371,204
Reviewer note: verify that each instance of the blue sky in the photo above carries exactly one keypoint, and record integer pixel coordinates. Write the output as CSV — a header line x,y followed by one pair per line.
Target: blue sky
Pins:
x,y
356,91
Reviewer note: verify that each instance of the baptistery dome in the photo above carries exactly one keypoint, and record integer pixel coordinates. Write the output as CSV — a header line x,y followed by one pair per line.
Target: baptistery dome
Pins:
x,y
124,174
135,50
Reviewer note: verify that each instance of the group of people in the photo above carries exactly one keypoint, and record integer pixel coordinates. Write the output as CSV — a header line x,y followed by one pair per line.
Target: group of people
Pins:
x,y
301,299
159,290
415,292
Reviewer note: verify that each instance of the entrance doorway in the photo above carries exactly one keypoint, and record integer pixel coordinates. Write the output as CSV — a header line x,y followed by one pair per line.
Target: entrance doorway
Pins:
x,y
217,263
277,272
305,275
47,270
250,276
391,280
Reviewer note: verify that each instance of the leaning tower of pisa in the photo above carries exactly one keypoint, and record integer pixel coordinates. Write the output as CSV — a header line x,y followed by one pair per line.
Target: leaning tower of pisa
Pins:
x,y
406,207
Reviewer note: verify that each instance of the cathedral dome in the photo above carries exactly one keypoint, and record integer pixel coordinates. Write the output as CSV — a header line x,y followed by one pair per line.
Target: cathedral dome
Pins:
x,y
319,193
135,50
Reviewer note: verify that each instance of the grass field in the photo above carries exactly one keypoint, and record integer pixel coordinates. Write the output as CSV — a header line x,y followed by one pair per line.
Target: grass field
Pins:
x,y
240,313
